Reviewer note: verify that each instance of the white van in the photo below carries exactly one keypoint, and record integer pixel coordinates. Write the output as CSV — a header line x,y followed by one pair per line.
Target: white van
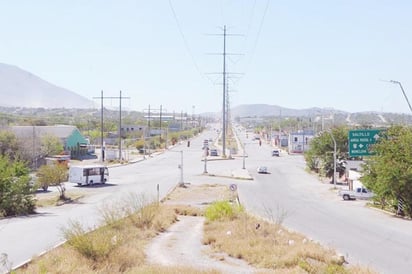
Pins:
x,y
88,174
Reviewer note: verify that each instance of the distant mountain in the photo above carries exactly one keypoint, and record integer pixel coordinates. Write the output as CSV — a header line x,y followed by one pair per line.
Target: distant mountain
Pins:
x,y
336,117
264,110
19,88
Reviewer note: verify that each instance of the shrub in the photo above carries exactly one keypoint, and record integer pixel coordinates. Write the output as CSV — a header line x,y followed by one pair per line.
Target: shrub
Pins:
x,y
16,193
222,210
95,245
145,216
54,175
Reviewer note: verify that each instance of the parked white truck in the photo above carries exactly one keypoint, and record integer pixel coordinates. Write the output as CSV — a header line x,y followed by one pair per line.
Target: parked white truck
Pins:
x,y
358,193
89,174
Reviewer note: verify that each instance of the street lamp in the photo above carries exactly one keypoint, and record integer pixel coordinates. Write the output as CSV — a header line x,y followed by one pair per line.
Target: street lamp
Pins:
x,y
180,166
205,160
244,155
181,183
334,158
403,91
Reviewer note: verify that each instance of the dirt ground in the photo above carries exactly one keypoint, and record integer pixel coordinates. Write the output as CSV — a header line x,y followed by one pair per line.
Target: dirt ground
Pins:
x,y
182,244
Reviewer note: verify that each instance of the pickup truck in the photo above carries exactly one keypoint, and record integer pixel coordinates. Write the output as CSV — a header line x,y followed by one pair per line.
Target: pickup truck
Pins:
x,y
358,193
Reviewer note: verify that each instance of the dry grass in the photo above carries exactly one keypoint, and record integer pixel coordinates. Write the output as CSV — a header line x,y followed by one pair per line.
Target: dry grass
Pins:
x,y
113,248
199,196
119,246
52,199
270,246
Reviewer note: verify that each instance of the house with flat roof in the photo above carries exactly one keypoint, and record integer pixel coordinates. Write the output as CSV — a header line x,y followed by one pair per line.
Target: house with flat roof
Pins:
x,y
299,141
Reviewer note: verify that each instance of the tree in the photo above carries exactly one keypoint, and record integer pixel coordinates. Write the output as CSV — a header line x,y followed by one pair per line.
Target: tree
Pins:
x,y
319,157
388,173
9,145
16,193
56,175
51,145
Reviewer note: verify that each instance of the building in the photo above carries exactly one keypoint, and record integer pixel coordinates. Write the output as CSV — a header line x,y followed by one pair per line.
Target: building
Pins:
x,y
299,141
74,143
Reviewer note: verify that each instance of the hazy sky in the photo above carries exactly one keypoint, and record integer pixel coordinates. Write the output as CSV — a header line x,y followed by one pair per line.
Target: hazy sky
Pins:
x,y
295,54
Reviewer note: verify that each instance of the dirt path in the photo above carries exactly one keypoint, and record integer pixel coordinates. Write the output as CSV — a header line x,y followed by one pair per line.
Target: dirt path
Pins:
x,y
182,244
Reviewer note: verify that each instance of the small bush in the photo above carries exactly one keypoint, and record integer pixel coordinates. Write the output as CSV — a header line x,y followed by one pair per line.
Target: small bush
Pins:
x,y
222,210
111,214
144,218
96,245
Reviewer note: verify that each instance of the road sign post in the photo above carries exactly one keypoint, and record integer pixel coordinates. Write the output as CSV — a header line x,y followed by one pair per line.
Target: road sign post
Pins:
x,y
361,140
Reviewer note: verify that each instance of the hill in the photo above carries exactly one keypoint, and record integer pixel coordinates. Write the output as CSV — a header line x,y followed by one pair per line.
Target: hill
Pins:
x,y
19,88
262,110
336,117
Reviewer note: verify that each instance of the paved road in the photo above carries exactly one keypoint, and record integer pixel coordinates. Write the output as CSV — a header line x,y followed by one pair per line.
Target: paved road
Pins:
x,y
363,235
297,198
25,237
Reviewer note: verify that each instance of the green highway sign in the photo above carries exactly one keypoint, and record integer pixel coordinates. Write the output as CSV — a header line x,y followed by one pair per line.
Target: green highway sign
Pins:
x,y
360,140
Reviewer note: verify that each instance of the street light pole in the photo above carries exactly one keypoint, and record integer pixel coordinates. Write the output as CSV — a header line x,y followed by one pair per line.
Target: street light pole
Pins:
x,y
403,91
334,158
181,183
205,160
244,155
180,166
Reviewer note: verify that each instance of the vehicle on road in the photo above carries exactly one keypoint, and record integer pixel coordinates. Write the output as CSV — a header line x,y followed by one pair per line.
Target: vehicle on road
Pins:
x,y
88,174
358,193
213,152
262,170
276,152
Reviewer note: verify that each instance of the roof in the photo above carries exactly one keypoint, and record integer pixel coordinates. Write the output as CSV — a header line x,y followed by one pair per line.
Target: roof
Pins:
x,y
88,166
304,132
60,131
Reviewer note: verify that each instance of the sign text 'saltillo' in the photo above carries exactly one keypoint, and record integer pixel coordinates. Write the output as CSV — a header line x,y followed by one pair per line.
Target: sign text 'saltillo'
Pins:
x,y
360,141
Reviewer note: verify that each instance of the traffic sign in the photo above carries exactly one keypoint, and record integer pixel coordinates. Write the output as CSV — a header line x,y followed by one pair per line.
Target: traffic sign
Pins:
x,y
233,187
205,144
360,141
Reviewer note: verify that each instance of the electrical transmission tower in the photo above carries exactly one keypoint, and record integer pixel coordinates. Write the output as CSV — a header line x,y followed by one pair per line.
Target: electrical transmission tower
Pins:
x,y
225,105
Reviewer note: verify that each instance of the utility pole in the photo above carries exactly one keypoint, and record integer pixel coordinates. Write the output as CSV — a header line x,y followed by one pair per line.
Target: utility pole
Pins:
x,y
101,125
160,138
224,95
181,120
280,128
224,105
227,108
120,122
148,131
154,114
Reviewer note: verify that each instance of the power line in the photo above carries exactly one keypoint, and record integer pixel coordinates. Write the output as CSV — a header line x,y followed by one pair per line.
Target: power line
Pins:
x,y
186,43
258,34
251,18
